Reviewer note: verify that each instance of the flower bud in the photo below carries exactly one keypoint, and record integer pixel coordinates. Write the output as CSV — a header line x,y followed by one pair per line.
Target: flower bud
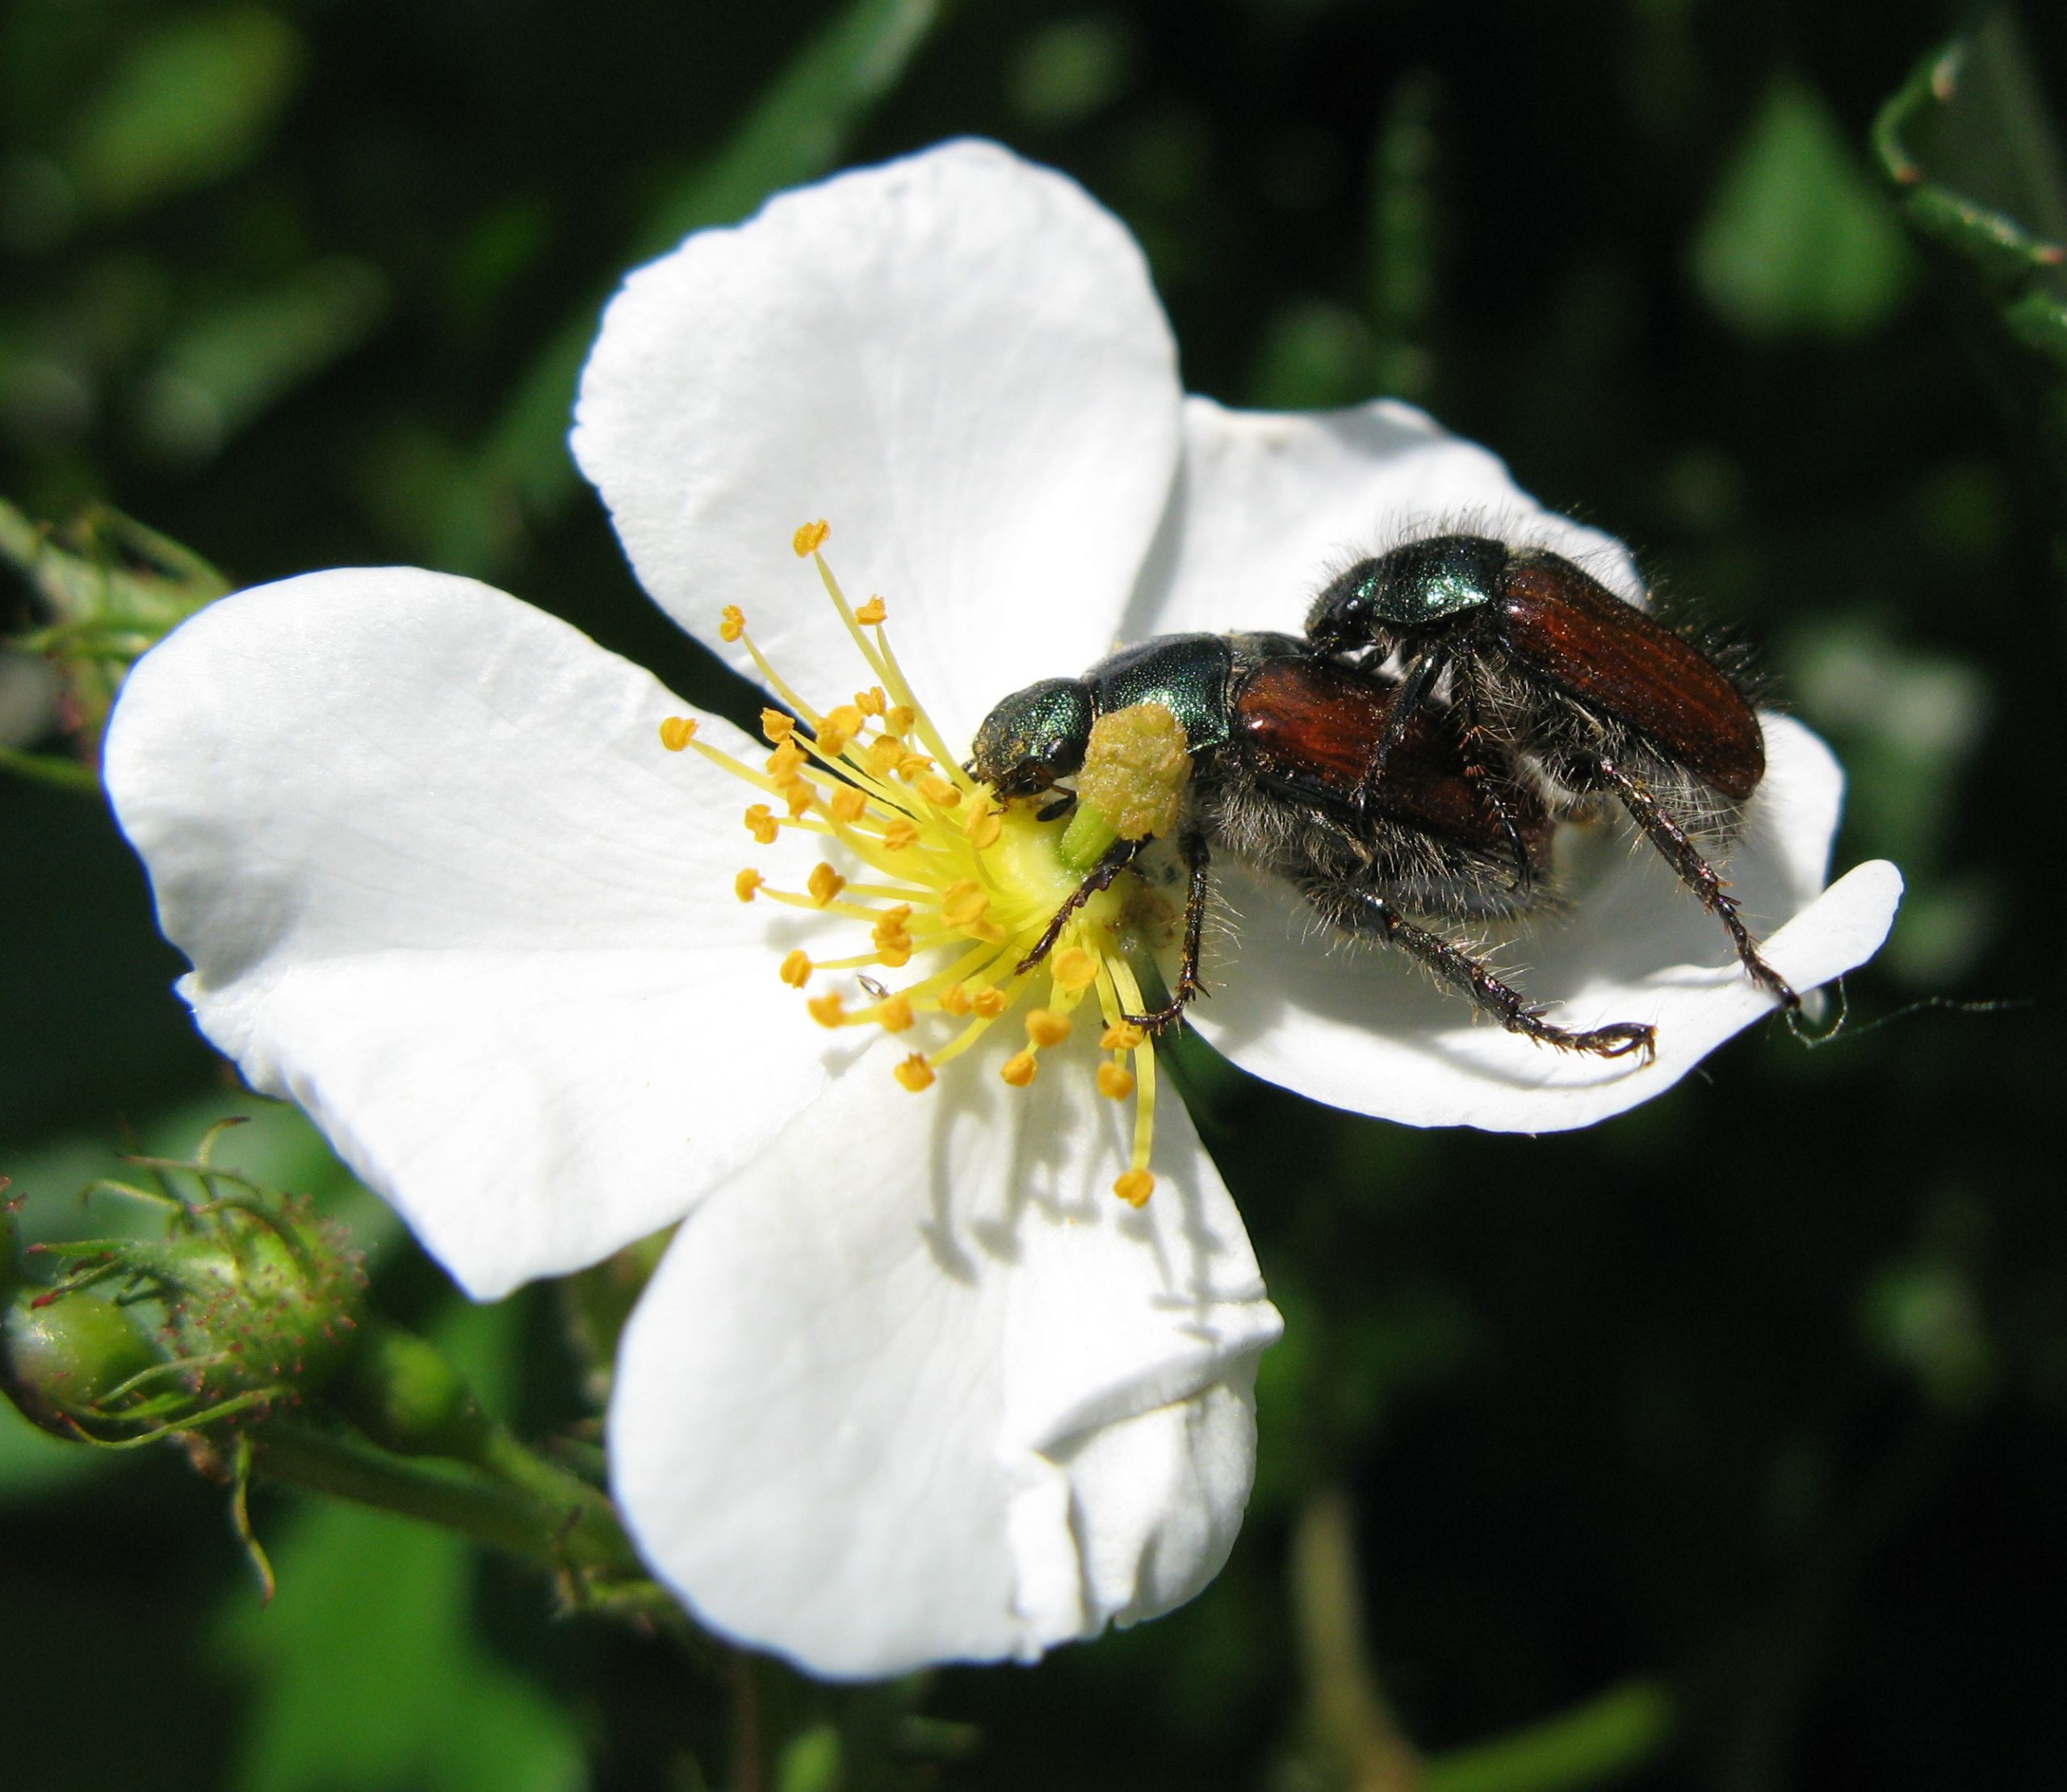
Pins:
x,y
62,1356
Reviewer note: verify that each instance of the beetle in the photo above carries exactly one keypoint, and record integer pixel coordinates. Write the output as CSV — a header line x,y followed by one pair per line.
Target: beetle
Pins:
x,y
1301,766
1558,693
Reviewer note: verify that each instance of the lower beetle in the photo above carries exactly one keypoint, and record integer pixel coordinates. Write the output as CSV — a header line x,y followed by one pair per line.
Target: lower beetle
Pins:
x,y
1560,694
1303,767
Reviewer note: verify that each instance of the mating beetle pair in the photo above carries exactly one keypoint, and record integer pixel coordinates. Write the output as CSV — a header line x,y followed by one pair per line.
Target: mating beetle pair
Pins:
x,y
1452,702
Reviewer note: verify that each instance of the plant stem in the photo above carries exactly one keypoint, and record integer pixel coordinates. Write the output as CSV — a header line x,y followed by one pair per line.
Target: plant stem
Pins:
x,y
578,1536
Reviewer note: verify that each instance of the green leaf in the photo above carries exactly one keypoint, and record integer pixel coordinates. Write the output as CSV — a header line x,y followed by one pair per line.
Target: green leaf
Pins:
x,y
194,101
1975,164
365,1670
1796,240
798,130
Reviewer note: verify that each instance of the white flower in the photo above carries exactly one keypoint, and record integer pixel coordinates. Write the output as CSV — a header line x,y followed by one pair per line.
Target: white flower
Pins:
x,y
910,1384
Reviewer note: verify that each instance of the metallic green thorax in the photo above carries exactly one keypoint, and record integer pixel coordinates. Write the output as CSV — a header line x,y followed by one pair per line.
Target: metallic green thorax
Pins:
x,y
1426,581
1186,674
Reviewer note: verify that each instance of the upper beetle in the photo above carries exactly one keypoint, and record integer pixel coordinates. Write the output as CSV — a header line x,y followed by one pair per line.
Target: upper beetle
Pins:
x,y
1556,690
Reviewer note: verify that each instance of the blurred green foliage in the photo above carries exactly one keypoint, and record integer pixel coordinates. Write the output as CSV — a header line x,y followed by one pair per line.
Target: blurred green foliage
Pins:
x,y
1728,1434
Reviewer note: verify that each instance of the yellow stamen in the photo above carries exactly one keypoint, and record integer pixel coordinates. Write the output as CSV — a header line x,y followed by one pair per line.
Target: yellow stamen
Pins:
x,y
982,826
1021,1069
746,883
731,623
988,1003
825,883
796,968
899,719
787,761
895,1014
1045,1027
849,804
915,1073
809,538
1134,1187
1076,971
1122,1035
676,732
871,701
962,904
761,823
799,796
900,834
776,726
1115,1082
954,1000
871,613
828,1009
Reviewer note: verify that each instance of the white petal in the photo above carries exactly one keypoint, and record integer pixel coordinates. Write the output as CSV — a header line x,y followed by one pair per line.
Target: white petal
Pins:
x,y
442,887
1362,1029
1269,505
956,358
917,1388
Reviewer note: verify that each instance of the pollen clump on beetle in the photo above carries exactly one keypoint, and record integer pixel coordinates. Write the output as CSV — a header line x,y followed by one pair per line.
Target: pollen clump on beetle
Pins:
x,y
944,887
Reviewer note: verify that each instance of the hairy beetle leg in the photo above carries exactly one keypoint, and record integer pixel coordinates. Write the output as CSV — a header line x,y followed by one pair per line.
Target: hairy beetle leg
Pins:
x,y
1117,857
1364,911
1198,860
1699,876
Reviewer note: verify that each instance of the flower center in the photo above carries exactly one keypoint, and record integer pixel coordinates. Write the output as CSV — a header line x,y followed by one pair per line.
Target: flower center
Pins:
x,y
949,892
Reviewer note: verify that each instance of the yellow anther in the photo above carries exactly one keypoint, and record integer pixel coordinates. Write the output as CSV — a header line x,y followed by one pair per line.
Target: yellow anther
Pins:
x,y
896,955
761,824
954,1000
901,833
989,1003
787,761
938,791
983,825
912,765
799,795
963,903
828,1009
796,968
731,623
778,725
1134,1188
1019,1069
899,719
1045,1027
849,804
1115,1080
871,613
837,730
1076,971
809,538
676,732
890,924
871,701
1122,1035
884,753
746,883
915,1073
825,883
894,1013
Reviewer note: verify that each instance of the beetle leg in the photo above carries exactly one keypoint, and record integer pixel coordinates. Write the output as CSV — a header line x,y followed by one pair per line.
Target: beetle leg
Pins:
x,y
1116,858
1413,692
1198,860
1699,876
1364,911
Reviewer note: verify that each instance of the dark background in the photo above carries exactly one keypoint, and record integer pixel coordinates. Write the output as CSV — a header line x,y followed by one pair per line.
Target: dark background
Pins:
x,y
1753,1397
